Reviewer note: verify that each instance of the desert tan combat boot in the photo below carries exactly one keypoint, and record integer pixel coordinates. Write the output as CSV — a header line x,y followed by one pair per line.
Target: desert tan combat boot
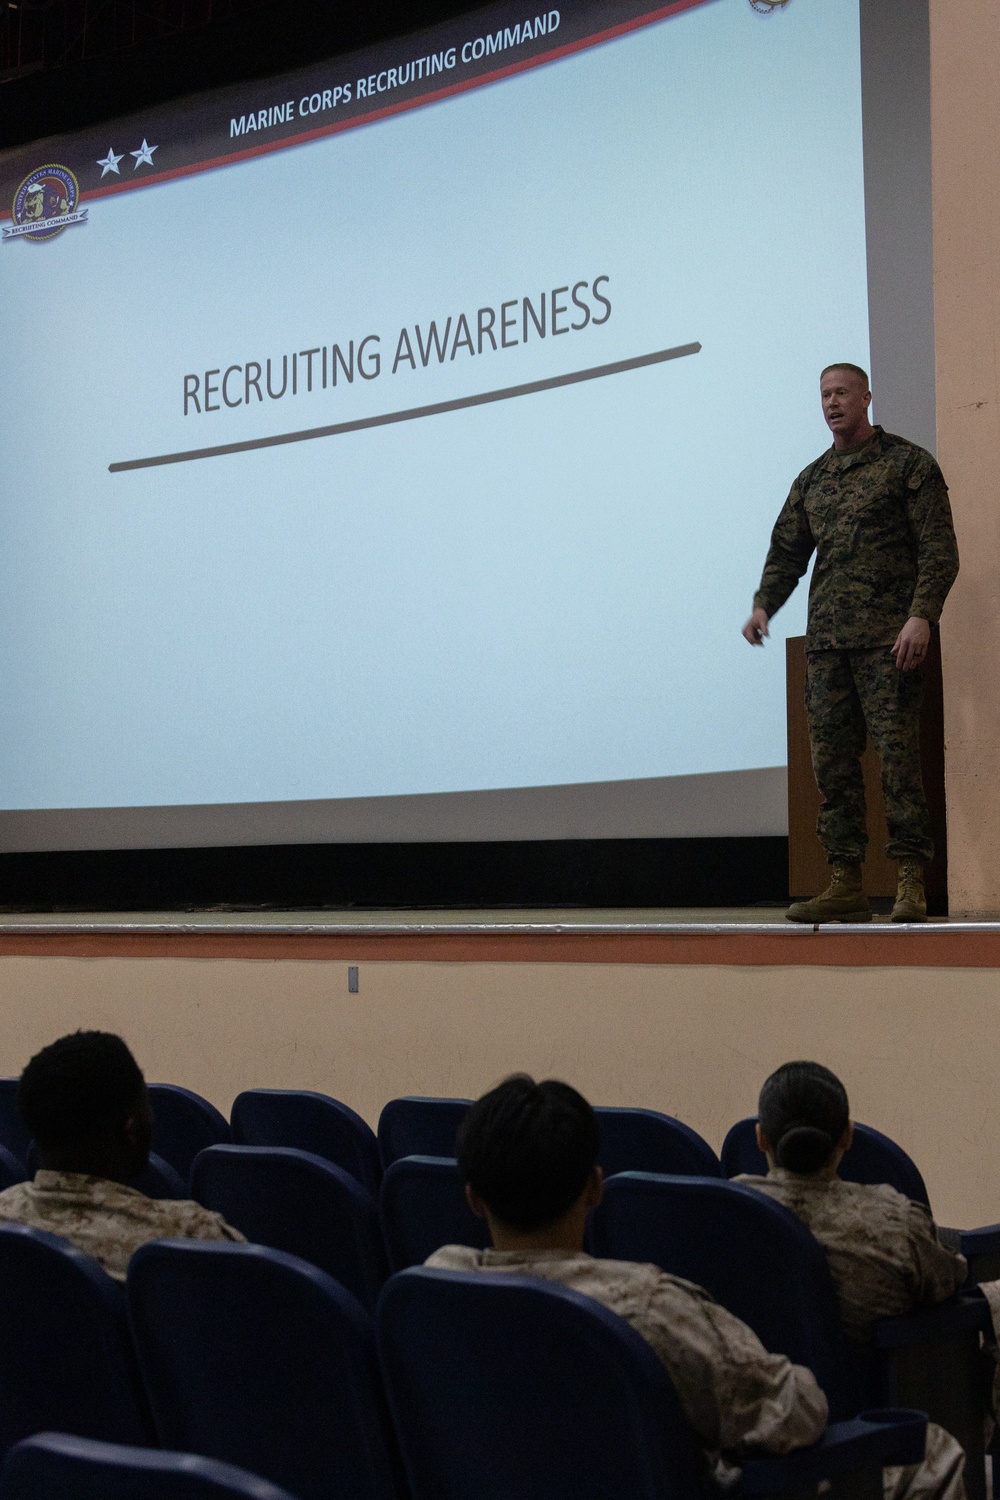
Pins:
x,y
911,900
842,901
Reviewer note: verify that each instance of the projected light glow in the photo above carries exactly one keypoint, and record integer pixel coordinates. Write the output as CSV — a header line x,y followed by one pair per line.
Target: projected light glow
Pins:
x,y
425,436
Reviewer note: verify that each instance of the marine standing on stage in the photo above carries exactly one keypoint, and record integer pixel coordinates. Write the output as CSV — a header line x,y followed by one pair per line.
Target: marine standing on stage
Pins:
x,y
875,510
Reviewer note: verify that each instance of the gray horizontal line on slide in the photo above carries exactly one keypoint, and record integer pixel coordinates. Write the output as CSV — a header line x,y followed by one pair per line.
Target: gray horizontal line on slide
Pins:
x,y
482,398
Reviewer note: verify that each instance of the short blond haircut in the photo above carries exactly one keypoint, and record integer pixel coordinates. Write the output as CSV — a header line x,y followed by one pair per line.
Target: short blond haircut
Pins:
x,y
846,365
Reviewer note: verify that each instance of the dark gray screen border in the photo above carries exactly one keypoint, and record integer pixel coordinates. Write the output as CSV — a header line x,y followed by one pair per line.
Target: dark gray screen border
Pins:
x,y
896,103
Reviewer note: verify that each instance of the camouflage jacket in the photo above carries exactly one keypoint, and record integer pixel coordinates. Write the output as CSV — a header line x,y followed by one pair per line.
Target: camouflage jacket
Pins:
x,y
106,1219
883,1250
735,1395
880,524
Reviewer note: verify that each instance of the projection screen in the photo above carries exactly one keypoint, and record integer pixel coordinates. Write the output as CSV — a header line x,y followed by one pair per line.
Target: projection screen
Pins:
x,y
391,447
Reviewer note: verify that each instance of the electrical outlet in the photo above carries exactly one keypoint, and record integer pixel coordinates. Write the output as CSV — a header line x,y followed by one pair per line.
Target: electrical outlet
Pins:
x,y
352,979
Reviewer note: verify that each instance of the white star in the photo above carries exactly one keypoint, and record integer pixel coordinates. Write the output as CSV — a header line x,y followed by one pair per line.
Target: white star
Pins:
x,y
144,154
109,162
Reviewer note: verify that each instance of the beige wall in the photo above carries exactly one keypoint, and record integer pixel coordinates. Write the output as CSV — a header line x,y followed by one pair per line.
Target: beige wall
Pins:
x,y
914,1046
965,122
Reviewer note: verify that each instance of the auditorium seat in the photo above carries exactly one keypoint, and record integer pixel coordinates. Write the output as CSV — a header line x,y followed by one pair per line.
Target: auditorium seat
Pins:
x,y
740,1246
512,1386
12,1169
14,1134
66,1359
762,1263
309,1122
414,1126
183,1124
158,1179
256,1358
54,1466
643,1140
422,1207
299,1203
873,1158
981,1248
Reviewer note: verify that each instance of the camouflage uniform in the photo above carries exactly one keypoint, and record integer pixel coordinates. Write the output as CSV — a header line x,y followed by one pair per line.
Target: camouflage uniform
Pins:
x,y
880,524
736,1396
106,1219
885,1259
883,1250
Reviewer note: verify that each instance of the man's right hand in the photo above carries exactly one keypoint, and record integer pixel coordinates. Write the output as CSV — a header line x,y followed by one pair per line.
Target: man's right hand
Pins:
x,y
755,628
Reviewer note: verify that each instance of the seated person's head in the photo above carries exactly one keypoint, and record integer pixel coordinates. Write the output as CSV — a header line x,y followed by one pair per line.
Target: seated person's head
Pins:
x,y
803,1119
84,1100
528,1155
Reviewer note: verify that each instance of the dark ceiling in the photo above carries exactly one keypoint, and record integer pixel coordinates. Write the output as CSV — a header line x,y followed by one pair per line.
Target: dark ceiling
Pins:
x,y
52,33
65,64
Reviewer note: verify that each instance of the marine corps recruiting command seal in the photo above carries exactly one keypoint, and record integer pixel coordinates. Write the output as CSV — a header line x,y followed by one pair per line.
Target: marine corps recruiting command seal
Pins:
x,y
46,203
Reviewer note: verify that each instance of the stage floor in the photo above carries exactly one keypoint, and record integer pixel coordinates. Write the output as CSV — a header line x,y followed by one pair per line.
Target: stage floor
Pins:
x,y
757,935
741,919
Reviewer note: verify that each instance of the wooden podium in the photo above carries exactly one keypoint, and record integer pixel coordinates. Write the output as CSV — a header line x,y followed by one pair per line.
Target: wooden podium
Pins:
x,y
808,872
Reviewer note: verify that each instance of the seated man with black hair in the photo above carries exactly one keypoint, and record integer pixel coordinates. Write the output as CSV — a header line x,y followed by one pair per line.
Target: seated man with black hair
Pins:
x,y
528,1154
84,1100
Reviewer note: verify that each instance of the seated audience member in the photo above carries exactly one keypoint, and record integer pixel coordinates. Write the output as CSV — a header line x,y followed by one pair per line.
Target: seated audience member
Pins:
x,y
528,1153
84,1100
883,1250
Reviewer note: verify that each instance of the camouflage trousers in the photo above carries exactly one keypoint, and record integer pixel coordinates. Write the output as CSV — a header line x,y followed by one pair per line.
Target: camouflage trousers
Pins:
x,y
850,695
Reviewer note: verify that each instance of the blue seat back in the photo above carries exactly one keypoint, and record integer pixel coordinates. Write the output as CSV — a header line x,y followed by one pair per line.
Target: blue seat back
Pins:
x,y
183,1124
158,1179
643,1140
419,1127
66,1357
514,1388
872,1159
752,1255
299,1203
54,1466
422,1207
309,1122
12,1169
256,1358
14,1134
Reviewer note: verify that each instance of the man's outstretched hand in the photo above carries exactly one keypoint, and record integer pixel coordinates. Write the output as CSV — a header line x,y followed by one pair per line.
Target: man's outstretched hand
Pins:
x,y
910,646
755,628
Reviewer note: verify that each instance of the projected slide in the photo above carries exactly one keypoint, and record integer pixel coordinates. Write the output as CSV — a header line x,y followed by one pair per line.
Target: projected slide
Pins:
x,y
415,425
